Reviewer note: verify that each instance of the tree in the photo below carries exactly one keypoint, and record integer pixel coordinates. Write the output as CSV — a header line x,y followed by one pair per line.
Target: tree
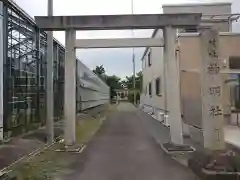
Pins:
x,y
122,95
114,82
138,81
99,70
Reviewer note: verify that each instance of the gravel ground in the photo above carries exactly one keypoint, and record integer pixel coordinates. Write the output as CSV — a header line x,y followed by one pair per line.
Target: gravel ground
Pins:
x,y
123,149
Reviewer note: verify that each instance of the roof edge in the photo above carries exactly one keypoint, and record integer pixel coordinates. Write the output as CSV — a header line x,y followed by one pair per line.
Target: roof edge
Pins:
x,y
198,4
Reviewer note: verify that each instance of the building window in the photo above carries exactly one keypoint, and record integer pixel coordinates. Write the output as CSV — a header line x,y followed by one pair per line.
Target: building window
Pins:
x,y
191,30
234,62
150,89
149,59
158,86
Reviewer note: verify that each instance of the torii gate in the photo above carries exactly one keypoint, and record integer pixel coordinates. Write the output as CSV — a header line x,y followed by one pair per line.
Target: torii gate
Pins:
x,y
167,22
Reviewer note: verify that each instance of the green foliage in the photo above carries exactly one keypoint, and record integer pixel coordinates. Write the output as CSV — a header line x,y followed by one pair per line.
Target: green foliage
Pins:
x,y
114,82
137,96
99,70
131,97
86,128
112,92
43,166
129,81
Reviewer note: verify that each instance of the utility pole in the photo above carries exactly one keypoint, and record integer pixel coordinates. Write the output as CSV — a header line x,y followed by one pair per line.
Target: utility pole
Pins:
x,y
134,80
133,59
1,67
49,123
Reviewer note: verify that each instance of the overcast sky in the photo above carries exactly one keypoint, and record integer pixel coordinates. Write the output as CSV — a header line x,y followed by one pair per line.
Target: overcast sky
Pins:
x,y
115,61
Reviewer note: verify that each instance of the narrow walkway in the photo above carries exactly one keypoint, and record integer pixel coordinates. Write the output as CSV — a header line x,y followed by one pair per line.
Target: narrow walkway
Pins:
x,y
124,150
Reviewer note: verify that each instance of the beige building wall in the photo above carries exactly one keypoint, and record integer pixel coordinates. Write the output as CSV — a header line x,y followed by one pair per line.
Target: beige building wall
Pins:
x,y
150,74
157,67
189,55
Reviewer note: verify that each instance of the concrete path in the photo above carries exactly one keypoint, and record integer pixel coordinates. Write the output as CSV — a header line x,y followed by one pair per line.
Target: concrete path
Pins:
x,y
124,150
231,135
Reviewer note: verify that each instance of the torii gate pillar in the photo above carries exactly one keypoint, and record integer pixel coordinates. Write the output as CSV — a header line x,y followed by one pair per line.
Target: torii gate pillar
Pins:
x,y
70,88
173,86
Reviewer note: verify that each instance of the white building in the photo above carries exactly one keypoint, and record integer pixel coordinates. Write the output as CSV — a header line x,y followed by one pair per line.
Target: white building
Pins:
x,y
153,98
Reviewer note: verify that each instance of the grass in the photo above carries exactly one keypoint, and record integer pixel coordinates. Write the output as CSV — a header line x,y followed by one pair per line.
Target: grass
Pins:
x,y
43,166
85,129
50,163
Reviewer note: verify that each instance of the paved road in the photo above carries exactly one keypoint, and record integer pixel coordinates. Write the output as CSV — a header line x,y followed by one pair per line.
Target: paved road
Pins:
x,y
124,150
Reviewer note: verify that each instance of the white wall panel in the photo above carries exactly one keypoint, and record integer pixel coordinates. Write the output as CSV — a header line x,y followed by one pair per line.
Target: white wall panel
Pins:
x,y
91,90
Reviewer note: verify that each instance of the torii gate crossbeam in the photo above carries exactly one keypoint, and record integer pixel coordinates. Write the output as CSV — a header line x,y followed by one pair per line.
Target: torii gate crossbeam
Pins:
x,y
119,43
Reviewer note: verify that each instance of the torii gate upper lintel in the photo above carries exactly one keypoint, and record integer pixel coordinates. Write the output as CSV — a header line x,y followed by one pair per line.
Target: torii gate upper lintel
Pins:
x,y
117,22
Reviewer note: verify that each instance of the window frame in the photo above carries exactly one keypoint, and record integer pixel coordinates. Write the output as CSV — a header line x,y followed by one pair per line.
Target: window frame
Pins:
x,y
191,30
149,58
158,87
150,89
143,63
234,62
